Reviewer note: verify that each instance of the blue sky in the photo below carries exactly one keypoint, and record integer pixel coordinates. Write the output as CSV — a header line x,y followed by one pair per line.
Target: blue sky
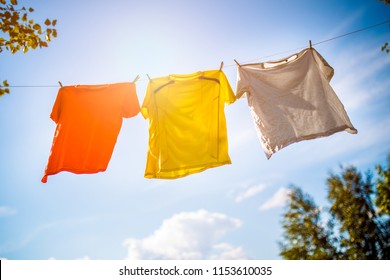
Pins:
x,y
229,212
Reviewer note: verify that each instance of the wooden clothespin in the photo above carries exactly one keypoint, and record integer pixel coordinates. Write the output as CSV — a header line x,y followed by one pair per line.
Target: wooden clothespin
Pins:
x,y
220,67
60,83
239,65
310,45
136,79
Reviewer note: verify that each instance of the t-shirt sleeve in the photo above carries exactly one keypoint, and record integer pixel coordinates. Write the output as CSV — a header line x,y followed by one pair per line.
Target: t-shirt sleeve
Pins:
x,y
56,110
146,103
323,65
242,83
130,106
226,90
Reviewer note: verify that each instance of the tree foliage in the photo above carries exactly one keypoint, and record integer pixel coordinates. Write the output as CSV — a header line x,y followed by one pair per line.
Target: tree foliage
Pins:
x,y
363,233
385,48
383,188
358,225
21,33
305,236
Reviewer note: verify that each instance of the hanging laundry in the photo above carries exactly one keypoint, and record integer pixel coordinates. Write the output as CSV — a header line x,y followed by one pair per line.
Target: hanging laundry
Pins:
x,y
88,118
187,126
291,100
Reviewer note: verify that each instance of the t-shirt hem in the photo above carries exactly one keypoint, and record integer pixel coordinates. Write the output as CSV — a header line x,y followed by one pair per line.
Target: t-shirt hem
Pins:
x,y
347,128
187,172
45,177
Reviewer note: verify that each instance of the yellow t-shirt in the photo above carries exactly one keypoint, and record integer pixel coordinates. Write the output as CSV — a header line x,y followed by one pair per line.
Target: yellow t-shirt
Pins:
x,y
187,125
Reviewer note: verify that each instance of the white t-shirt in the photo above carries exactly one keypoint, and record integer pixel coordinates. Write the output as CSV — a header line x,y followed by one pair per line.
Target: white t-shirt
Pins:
x,y
291,100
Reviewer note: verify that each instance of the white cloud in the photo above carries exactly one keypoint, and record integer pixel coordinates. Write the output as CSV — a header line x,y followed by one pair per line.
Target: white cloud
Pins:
x,y
187,235
355,87
279,199
6,211
226,251
252,191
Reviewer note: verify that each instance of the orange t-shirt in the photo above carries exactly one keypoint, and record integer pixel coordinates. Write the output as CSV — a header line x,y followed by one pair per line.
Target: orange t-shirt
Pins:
x,y
88,118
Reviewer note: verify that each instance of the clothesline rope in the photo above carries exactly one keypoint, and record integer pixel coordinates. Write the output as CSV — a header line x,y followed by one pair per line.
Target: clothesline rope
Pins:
x,y
318,43
28,86
267,56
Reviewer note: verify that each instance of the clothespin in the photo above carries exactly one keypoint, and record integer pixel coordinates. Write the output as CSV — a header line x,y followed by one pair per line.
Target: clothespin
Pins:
x,y
310,45
237,63
220,67
60,83
150,80
136,79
